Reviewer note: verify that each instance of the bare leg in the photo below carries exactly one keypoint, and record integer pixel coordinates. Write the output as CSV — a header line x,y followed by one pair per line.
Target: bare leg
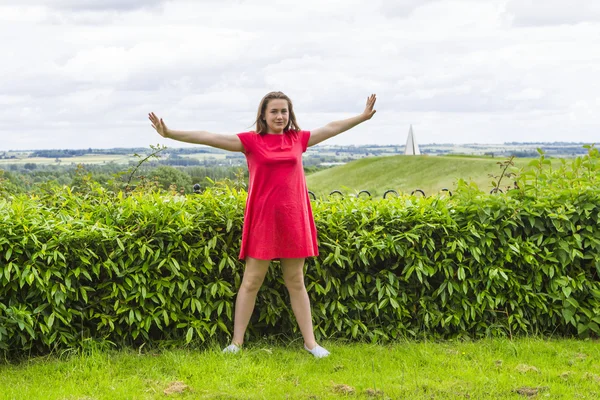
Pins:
x,y
293,275
254,275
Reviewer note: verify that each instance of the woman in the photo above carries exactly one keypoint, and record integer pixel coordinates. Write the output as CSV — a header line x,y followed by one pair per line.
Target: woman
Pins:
x,y
278,221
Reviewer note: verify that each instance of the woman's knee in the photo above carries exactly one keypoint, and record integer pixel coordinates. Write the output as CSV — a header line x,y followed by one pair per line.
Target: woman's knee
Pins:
x,y
254,274
252,283
293,273
294,282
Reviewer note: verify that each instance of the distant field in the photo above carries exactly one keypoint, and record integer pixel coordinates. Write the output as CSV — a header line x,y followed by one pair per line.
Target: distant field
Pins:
x,y
205,156
100,159
87,159
407,173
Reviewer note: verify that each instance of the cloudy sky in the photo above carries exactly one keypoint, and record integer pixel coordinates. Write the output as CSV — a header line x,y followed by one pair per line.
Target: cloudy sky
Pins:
x,y
85,73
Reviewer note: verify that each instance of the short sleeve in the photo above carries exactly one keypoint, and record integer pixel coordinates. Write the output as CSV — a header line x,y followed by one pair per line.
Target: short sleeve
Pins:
x,y
304,136
247,139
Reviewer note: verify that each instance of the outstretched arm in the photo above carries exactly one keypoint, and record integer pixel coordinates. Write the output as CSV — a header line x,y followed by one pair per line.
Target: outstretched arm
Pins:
x,y
225,142
337,127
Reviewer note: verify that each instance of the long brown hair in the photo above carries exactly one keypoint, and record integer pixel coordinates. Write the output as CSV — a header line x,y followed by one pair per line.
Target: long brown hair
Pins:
x,y
261,124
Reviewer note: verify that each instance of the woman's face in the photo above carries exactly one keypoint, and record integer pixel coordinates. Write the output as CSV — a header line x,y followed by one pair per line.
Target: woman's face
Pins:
x,y
277,115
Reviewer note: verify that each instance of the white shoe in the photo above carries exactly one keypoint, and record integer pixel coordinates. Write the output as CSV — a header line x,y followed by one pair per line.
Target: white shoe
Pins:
x,y
231,349
318,351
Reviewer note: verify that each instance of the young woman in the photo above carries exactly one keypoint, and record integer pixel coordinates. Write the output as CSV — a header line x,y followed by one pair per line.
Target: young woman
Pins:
x,y
278,220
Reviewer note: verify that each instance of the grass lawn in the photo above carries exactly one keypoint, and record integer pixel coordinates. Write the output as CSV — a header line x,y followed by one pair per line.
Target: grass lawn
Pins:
x,y
407,173
487,369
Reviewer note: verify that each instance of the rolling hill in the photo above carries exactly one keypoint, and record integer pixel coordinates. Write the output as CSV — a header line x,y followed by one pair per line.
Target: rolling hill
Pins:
x,y
407,173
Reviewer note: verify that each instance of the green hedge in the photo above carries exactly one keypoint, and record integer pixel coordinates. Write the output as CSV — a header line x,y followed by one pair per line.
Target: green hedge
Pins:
x,y
163,268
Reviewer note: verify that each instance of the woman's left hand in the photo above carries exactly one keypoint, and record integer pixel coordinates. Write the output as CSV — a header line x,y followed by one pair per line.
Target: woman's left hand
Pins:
x,y
369,111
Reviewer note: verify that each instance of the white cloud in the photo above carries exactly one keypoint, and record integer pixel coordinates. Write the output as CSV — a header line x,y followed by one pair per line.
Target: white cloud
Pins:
x,y
402,8
84,5
551,12
81,74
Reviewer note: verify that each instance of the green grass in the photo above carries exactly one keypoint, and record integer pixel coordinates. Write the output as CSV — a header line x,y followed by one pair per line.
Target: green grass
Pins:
x,y
407,173
487,369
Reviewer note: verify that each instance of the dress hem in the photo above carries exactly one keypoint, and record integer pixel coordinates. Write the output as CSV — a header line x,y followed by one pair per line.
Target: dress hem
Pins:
x,y
277,257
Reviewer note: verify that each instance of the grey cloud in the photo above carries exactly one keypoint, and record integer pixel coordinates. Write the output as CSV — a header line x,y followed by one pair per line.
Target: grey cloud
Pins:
x,y
551,12
40,86
199,78
95,5
461,103
470,93
402,8
182,79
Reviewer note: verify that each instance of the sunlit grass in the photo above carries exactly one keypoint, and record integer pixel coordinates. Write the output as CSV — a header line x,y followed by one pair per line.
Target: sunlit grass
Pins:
x,y
407,173
496,369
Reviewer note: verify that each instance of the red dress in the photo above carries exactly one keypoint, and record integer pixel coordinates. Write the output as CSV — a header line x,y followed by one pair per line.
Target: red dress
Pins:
x,y
278,219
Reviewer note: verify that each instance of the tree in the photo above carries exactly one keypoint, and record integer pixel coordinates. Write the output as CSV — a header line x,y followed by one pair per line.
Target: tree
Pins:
x,y
167,176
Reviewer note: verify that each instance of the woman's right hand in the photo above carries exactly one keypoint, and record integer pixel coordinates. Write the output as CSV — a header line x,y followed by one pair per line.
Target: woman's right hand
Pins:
x,y
158,124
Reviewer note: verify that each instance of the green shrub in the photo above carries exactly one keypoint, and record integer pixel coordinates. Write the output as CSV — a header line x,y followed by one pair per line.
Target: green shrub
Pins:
x,y
160,267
